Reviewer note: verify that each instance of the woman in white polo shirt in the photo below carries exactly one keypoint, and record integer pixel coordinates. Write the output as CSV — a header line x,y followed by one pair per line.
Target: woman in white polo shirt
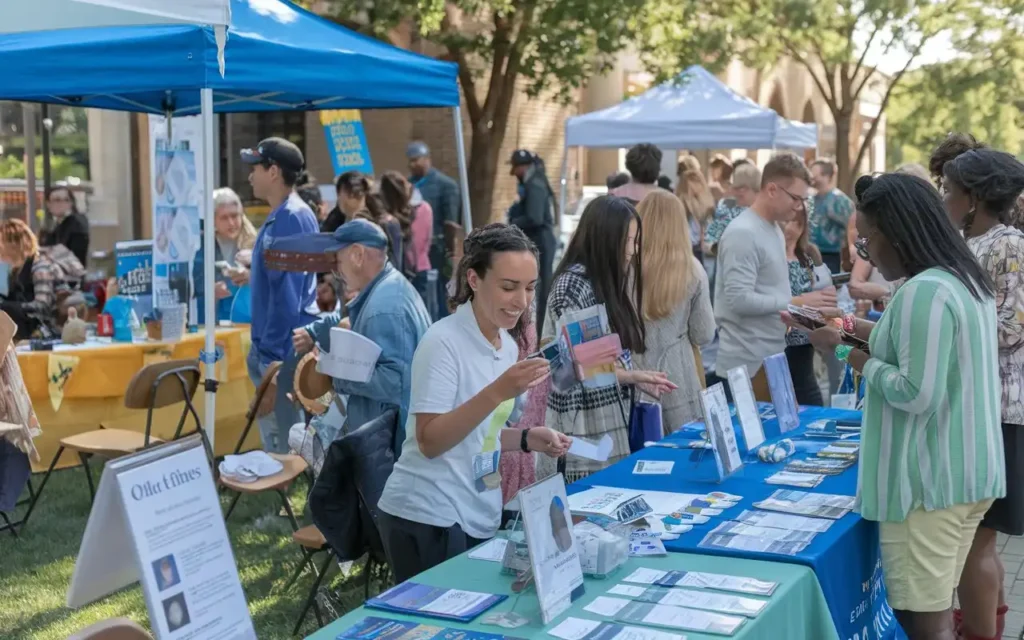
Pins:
x,y
444,495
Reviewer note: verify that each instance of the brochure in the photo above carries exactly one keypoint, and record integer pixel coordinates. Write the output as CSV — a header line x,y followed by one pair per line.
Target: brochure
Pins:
x,y
820,465
493,550
780,384
747,543
702,580
620,505
705,600
661,615
653,467
605,606
434,602
795,479
554,557
785,522
767,533
720,430
353,356
819,505
584,448
374,628
583,629
746,410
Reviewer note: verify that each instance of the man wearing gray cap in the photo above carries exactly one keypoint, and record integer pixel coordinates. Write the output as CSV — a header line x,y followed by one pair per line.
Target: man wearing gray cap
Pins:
x,y
388,311
442,194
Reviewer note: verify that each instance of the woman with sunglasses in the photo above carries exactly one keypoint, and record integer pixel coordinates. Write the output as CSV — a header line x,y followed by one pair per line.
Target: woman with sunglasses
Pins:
x,y
70,228
932,449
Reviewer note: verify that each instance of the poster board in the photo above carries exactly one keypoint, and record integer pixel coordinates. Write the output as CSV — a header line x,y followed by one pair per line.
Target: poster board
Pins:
x,y
780,384
720,430
177,190
346,140
554,558
746,407
134,260
157,521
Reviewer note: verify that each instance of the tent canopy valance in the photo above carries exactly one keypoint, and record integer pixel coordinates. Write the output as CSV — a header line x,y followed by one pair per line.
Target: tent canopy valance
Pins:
x,y
278,57
694,111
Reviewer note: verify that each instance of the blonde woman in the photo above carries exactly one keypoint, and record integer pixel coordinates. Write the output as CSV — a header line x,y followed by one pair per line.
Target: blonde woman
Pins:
x,y
33,278
698,205
676,306
234,234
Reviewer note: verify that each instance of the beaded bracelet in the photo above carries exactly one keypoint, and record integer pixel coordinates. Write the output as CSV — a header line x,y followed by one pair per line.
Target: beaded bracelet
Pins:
x,y
850,323
843,352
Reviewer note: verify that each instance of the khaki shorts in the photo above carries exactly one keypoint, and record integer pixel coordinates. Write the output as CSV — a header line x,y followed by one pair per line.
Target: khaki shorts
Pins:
x,y
923,556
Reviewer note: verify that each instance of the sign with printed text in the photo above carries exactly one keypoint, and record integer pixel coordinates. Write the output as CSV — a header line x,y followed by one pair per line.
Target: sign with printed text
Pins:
x,y
157,521
135,274
346,140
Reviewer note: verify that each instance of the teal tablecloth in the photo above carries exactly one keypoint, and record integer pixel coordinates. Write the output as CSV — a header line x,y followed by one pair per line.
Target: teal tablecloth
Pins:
x,y
797,610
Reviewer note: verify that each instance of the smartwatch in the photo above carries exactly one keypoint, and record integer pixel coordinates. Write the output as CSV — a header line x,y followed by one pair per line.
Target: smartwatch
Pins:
x,y
522,441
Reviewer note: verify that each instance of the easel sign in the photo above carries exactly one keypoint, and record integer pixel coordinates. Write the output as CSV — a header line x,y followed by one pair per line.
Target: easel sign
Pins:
x,y
162,504
554,558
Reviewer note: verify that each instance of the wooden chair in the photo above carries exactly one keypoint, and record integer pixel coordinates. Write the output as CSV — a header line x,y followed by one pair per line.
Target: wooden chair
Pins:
x,y
262,403
155,386
112,629
312,542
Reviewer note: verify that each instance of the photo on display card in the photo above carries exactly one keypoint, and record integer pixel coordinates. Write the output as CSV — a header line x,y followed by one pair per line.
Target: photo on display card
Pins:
x,y
746,408
720,430
176,612
780,384
554,558
165,570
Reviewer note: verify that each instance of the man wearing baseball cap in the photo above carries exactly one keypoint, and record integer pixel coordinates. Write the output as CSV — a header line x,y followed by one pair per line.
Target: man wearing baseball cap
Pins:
x,y
442,194
279,299
388,310
533,212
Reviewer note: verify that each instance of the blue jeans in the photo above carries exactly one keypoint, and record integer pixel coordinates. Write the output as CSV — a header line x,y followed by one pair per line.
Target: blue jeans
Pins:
x,y
275,425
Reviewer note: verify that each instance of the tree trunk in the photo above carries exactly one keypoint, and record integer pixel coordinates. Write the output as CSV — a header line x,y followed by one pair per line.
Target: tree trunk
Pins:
x,y
484,152
844,153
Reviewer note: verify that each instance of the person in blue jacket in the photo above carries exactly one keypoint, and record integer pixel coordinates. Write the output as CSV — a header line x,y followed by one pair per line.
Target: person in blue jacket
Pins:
x,y
388,310
279,300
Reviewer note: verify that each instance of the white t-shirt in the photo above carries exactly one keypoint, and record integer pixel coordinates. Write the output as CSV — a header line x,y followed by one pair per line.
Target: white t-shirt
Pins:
x,y
453,363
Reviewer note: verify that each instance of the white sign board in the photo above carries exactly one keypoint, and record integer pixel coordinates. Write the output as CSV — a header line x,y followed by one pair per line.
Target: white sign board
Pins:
x,y
746,408
555,561
162,504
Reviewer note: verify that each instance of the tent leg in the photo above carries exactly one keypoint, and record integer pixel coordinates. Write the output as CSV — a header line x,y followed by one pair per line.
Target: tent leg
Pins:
x,y
209,238
460,150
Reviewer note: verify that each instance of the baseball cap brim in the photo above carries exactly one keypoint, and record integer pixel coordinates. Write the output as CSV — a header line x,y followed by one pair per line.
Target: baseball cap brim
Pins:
x,y
251,156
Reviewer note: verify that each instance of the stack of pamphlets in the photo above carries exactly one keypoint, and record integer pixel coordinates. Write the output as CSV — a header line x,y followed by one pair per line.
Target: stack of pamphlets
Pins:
x,y
818,505
587,350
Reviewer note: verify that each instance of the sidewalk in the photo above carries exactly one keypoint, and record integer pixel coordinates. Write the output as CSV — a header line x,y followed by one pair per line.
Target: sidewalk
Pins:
x,y
1011,550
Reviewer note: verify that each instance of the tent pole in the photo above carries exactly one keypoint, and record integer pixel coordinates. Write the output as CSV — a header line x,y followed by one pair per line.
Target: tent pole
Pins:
x,y
563,185
460,151
209,256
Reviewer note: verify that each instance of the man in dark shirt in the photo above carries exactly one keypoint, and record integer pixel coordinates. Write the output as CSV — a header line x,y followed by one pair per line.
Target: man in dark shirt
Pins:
x,y
533,212
442,194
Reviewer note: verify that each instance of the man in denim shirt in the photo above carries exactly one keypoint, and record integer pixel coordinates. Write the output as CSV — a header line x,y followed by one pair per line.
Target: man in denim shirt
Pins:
x,y
388,310
279,299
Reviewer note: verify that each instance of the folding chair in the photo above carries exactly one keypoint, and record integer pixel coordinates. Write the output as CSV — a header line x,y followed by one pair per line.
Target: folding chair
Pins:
x,y
155,386
294,465
312,542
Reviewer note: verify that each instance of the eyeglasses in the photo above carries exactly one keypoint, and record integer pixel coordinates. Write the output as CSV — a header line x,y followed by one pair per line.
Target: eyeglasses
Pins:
x,y
861,245
796,198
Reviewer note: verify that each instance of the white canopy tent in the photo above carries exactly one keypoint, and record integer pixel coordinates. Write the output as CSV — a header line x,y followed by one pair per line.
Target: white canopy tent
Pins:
x,y
693,111
18,16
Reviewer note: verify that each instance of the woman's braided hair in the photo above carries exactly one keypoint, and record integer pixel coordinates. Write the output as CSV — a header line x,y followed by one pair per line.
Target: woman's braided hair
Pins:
x,y
478,252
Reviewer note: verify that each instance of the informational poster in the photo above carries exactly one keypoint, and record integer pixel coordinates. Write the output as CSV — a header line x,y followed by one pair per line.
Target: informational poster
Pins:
x,y
135,274
346,140
157,521
177,193
720,430
780,384
746,409
553,554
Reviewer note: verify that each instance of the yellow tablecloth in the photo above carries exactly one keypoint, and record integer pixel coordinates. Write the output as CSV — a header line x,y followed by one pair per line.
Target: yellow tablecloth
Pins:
x,y
94,394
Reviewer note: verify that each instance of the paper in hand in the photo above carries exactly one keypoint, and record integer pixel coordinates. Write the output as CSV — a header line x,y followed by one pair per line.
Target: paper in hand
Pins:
x,y
599,450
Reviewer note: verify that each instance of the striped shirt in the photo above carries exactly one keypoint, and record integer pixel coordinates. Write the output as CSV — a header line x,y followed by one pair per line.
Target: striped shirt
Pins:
x,y
931,434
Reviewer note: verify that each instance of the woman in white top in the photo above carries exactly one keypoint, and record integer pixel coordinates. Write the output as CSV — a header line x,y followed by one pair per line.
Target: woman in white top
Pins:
x,y
444,495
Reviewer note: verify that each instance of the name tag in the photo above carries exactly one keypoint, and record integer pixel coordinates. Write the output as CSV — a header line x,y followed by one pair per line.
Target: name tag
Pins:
x,y
485,471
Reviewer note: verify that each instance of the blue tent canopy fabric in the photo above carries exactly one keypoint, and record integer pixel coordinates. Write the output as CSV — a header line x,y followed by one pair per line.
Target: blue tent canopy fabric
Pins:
x,y
694,111
277,58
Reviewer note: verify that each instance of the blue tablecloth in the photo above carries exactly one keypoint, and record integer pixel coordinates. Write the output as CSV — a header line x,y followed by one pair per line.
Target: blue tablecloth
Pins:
x,y
845,558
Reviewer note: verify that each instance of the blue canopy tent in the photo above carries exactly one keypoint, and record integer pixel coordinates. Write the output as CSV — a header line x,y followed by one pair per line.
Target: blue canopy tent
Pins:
x,y
694,111
278,57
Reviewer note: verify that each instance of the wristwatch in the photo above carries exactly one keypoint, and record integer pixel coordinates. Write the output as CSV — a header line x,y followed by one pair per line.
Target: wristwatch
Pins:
x,y
522,441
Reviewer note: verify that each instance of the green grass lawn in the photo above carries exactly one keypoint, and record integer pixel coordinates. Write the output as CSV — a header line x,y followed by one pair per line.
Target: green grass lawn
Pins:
x,y
36,568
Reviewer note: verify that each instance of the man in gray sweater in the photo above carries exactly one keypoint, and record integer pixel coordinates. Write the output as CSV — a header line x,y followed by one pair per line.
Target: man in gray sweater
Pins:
x,y
752,283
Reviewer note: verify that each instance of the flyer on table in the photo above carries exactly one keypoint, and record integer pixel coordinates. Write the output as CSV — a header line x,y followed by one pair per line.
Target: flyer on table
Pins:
x,y
186,565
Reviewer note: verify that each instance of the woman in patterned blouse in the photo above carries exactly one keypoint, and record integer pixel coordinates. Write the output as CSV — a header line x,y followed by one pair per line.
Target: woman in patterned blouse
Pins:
x,y
980,188
31,299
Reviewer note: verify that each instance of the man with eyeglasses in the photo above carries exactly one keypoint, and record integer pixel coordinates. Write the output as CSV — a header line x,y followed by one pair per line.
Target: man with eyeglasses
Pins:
x,y
752,285
279,299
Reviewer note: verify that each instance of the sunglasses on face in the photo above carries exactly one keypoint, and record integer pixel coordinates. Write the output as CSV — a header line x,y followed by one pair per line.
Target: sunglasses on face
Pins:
x,y
861,245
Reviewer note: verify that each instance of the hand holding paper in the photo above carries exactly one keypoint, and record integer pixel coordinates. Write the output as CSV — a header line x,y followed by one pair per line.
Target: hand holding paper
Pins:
x,y
599,450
